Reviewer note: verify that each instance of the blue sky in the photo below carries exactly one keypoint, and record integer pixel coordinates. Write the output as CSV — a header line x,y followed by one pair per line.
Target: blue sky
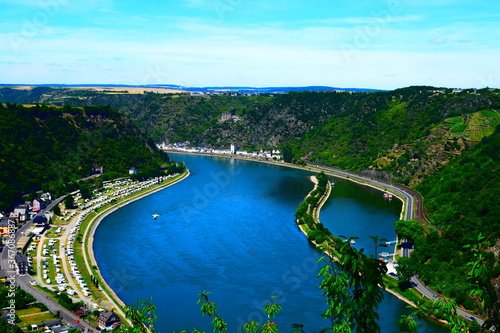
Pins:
x,y
365,43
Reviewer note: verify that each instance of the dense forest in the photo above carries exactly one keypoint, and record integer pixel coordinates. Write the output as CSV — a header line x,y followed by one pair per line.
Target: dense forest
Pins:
x,y
44,147
443,143
463,200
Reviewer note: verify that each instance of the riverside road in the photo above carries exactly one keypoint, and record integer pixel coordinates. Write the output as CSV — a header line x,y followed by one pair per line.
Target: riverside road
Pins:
x,y
413,200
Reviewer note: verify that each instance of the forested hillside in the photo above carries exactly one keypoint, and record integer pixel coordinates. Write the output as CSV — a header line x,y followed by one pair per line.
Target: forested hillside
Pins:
x,y
441,142
402,135
462,199
44,147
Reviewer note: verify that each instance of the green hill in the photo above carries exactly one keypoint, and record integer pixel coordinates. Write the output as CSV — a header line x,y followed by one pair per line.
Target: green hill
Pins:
x,y
442,143
404,135
44,147
462,199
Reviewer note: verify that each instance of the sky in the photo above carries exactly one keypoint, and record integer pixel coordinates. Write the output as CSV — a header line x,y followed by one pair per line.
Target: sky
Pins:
x,y
261,43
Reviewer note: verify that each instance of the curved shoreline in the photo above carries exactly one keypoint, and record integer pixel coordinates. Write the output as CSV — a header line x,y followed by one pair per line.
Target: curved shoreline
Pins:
x,y
361,180
88,240
365,182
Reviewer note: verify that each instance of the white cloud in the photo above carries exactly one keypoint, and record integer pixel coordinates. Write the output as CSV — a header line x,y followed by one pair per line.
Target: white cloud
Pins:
x,y
371,51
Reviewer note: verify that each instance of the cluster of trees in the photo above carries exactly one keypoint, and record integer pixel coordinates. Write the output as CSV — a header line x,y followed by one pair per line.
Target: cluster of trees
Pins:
x,y
48,148
67,302
350,131
22,300
316,231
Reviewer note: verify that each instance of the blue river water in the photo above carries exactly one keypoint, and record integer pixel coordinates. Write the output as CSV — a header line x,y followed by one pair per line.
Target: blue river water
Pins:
x,y
229,229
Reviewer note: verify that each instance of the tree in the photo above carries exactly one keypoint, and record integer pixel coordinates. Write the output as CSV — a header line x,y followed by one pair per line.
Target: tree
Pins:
x,y
85,190
408,229
141,316
69,201
57,210
404,271
378,242
407,324
482,272
475,327
287,154
6,327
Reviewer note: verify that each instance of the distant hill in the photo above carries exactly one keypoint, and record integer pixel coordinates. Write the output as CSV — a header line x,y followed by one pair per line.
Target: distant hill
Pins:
x,y
232,89
43,147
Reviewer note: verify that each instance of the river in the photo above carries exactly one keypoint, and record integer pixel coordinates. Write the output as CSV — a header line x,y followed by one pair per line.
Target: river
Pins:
x,y
229,229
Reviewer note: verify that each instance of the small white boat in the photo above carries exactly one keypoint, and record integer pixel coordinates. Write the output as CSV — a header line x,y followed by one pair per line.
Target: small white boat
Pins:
x,y
155,216
352,241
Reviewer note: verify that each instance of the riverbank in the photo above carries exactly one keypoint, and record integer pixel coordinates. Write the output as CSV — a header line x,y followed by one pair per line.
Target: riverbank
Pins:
x,y
315,210
91,266
365,181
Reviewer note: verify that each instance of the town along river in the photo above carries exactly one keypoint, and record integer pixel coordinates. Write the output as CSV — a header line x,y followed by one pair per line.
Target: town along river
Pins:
x,y
229,229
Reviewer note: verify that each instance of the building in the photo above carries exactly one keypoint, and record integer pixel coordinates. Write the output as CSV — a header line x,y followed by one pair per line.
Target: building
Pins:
x,y
40,221
22,264
233,148
52,323
21,212
46,196
229,116
107,320
37,205
4,227
132,171
7,223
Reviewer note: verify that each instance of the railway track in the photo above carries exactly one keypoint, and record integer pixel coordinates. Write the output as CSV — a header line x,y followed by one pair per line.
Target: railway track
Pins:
x,y
414,210
417,212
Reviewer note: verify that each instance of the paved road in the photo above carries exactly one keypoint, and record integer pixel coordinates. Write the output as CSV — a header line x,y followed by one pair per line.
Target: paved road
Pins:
x,y
23,281
410,197
4,268
54,307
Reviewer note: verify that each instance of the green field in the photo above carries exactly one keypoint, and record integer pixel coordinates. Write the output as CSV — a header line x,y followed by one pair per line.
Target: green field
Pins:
x,y
455,120
458,128
476,127
491,114
33,316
